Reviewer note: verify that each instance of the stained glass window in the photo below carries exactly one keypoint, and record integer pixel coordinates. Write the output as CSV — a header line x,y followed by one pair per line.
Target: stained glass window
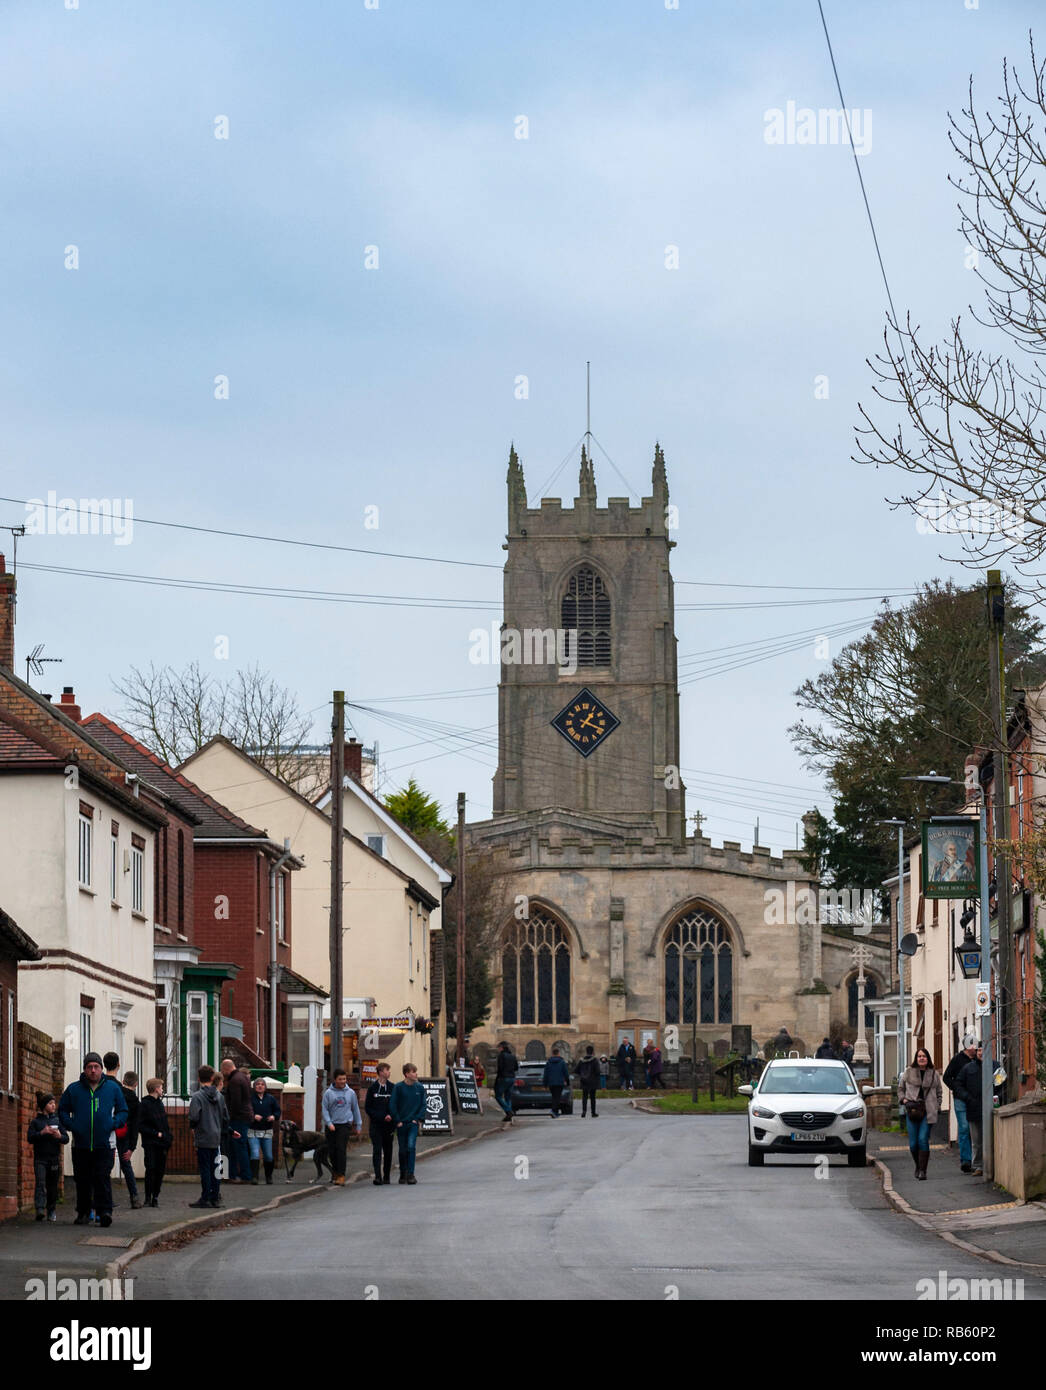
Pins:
x,y
535,972
708,992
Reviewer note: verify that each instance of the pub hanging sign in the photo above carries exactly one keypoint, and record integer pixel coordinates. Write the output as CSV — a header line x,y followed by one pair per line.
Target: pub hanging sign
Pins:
x,y
951,858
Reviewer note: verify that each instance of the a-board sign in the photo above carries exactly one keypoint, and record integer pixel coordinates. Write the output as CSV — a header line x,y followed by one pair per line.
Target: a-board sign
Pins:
x,y
438,1119
465,1091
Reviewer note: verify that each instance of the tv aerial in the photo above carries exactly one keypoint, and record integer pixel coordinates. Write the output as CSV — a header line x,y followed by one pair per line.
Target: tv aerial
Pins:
x,y
37,661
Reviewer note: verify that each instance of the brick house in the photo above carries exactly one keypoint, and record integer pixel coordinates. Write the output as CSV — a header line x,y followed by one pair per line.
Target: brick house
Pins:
x,y
225,901
15,946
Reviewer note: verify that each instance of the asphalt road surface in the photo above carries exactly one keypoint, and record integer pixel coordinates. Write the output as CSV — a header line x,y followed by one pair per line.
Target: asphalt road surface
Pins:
x,y
625,1206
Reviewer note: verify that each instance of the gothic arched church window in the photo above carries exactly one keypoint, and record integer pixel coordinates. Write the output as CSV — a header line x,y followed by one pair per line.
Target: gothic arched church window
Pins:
x,y
585,610
535,972
699,970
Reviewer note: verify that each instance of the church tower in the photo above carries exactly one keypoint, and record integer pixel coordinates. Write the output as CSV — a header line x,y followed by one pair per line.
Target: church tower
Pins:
x,y
588,705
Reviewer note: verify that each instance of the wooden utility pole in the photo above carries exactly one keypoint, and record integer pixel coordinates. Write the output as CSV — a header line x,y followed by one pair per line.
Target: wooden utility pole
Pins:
x,y
459,1024
1006,1019
337,841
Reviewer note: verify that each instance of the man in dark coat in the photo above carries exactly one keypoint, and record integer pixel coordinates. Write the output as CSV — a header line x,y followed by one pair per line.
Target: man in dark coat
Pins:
x,y
626,1065
377,1104
505,1078
587,1070
238,1100
91,1109
556,1077
968,1089
825,1051
962,1120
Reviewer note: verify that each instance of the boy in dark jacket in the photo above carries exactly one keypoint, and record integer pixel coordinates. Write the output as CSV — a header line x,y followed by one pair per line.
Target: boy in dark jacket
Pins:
x,y
127,1136
377,1103
46,1134
408,1107
556,1077
208,1116
505,1078
91,1109
155,1132
588,1074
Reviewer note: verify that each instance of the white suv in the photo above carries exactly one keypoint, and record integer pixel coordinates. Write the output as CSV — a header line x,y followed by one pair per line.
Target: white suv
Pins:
x,y
806,1105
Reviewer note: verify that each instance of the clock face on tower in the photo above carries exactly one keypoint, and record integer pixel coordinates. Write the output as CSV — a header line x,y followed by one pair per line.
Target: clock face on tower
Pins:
x,y
585,722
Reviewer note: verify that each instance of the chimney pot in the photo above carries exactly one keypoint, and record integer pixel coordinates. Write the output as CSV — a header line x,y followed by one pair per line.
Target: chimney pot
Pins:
x,y
67,704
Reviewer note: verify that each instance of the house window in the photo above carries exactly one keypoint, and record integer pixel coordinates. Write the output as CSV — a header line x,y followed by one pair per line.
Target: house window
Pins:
x,y
139,1065
137,873
535,972
84,855
196,1028
85,1031
585,615
699,980
377,844
410,943
114,861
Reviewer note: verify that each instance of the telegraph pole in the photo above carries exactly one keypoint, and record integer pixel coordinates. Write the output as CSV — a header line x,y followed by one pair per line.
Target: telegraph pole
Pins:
x,y
337,842
459,1029
1005,1024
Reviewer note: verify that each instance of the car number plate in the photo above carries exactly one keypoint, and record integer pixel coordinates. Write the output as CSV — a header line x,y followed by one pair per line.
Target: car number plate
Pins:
x,y
808,1137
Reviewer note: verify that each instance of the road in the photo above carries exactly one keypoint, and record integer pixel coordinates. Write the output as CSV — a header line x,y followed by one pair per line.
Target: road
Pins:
x,y
625,1206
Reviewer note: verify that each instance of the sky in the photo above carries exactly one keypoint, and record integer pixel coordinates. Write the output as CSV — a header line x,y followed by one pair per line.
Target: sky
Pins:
x,y
280,269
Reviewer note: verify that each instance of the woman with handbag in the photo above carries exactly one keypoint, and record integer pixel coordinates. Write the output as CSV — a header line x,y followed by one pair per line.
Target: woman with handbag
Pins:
x,y
919,1092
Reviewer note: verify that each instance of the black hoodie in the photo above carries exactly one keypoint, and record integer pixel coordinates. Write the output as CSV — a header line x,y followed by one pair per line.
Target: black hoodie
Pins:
x,y
153,1126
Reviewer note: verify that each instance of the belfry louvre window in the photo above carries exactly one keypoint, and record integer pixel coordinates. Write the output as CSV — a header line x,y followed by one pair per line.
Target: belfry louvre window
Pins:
x,y
535,972
585,611
699,970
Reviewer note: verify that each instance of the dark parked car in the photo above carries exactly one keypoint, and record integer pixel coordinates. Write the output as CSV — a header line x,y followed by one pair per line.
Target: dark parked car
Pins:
x,y
531,1093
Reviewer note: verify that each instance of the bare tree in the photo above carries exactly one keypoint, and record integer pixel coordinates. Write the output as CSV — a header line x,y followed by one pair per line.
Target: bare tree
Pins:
x,y
176,712
972,422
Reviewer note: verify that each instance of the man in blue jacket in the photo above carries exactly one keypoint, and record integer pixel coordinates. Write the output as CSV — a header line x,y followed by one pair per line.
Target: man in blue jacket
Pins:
x,y
408,1108
555,1077
91,1109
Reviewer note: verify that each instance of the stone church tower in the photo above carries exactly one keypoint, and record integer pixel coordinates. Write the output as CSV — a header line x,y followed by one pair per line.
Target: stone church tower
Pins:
x,y
609,920
599,578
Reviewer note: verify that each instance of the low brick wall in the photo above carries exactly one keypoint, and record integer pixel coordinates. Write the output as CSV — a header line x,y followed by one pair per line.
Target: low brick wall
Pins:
x,y
181,1157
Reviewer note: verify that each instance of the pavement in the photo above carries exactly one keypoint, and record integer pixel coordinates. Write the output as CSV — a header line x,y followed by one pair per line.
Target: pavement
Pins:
x,y
32,1250
966,1211
626,1206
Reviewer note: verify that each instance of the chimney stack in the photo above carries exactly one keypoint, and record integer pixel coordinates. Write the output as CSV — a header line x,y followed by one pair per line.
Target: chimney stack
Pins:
x,y
7,617
354,760
67,704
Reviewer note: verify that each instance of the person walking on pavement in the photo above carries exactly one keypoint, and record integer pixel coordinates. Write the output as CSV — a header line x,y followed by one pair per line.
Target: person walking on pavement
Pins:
x,y
239,1104
556,1077
626,1065
91,1109
505,1078
341,1111
127,1136
154,1130
208,1116
919,1091
46,1135
655,1067
648,1052
962,1123
266,1116
408,1107
968,1089
377,1103
587,1070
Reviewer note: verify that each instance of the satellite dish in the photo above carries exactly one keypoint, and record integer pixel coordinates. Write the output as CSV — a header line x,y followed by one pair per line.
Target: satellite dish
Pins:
x,y
908,944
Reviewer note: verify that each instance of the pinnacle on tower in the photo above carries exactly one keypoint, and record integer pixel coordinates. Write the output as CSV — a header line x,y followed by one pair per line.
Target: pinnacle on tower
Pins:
x,y
659,476
587,478
517,487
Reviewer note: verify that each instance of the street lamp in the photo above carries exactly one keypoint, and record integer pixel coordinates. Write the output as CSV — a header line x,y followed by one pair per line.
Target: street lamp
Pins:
x,y
968,953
